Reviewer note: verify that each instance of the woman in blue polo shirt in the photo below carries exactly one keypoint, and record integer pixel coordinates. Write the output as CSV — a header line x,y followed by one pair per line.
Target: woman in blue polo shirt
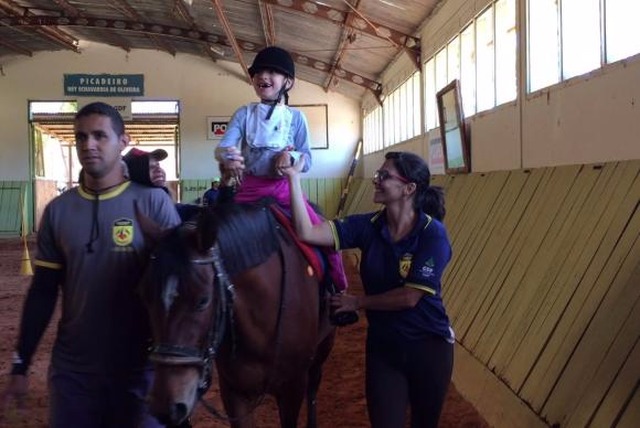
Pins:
x,y
405,249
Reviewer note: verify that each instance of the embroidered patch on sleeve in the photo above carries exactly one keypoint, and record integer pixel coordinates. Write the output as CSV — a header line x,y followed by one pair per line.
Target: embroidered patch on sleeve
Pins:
x,y
428,271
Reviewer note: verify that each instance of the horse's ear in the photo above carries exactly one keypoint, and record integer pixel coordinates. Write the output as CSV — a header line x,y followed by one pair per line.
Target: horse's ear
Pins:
x,y
208,230
151,230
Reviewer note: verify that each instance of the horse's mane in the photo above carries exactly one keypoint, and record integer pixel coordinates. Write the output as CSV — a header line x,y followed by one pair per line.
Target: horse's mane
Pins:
x,y
246,234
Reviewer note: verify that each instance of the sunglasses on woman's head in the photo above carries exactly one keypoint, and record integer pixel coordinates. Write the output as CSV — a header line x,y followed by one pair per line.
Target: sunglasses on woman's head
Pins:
x,y
383,175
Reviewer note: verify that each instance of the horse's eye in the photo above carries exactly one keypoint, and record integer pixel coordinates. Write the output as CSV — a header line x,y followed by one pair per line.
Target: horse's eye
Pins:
x,y
203,303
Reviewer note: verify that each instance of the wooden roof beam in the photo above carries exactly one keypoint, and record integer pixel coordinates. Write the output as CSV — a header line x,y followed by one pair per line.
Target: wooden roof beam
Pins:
x,y
348,35
59,37
15,48
183,12
337,16
231,37
410,46
268,23
52,33
125,8
71,10
187,34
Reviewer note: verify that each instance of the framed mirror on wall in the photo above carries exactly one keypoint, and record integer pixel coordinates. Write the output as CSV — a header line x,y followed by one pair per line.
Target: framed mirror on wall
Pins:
x,y
452,130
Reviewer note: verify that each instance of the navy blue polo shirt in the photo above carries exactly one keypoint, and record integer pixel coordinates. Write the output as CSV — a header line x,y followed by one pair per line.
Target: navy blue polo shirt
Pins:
x,y
416,261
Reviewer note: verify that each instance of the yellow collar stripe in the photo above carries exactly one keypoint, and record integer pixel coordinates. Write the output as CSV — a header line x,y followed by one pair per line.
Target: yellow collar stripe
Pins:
x,y
110,194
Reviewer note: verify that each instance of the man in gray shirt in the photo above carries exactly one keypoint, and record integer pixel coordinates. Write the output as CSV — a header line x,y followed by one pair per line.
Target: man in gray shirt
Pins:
x,y
90,246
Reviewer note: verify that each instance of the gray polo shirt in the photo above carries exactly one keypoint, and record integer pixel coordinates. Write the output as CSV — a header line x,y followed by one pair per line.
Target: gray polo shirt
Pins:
x,y
99,245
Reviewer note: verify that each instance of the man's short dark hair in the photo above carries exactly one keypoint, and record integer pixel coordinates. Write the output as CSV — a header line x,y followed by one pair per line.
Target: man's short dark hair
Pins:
x,y
103,109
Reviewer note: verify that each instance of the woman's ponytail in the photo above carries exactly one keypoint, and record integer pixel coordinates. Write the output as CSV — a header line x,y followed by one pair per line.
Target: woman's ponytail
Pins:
x,y
433,202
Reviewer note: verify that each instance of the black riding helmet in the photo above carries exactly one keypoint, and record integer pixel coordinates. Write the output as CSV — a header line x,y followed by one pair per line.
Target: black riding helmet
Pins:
x,y
278,59
275,58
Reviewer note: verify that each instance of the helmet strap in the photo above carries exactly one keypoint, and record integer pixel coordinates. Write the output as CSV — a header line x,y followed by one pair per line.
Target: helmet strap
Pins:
x,y
284,91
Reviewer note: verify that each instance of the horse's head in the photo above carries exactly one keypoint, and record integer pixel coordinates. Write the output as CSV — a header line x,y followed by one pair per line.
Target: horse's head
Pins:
x,y
184,290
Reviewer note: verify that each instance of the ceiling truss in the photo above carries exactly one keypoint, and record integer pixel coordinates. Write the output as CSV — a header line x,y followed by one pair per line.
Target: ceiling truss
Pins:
x,y
178,32
344,45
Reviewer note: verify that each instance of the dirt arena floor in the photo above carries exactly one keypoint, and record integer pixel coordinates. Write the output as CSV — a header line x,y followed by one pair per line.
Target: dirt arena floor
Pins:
x,y
341,401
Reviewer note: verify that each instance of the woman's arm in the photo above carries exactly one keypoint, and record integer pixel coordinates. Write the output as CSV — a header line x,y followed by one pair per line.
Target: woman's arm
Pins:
x,y
319,234
392,300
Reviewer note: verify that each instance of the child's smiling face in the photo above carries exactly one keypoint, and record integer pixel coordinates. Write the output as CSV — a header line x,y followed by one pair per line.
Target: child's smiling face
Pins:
x,y
268,82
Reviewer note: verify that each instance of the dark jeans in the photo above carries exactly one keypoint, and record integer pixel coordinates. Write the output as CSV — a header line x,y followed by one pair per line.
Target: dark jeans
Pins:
x,y
83,400
400,374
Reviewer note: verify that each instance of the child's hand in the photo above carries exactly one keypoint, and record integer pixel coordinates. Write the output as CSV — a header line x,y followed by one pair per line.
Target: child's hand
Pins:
x,y
233,162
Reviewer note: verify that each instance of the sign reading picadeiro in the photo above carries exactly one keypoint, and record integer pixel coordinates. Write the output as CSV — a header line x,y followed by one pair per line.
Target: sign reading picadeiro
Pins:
x,y
104,85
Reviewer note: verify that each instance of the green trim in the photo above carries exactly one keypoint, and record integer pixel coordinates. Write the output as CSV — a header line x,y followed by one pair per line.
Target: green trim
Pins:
x,y
324,192
14,203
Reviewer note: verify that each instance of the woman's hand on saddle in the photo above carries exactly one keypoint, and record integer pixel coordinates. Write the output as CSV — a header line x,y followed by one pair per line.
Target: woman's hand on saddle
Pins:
x,y
282,161
292,170
233,162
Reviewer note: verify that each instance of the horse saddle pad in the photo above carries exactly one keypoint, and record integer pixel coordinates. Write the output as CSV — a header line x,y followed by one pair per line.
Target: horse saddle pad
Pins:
x,y
309,252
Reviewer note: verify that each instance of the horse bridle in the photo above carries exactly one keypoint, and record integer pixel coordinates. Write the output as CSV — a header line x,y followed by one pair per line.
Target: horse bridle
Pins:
x,y
174,355
177,355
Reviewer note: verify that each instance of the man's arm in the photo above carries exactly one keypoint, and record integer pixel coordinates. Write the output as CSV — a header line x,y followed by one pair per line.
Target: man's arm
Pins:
x,y
36,314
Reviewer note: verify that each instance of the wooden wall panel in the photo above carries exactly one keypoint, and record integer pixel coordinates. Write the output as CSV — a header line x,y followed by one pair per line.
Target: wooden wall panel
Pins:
x,y
566,245
582,300
630,416
618,402
11,200
546,263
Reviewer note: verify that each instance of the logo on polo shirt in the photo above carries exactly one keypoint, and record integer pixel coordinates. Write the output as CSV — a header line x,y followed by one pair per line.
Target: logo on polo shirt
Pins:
x,y
122,232
427,270
405,264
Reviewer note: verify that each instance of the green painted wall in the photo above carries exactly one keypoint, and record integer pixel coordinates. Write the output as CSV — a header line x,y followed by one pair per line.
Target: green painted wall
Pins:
x,y
14,196
324,192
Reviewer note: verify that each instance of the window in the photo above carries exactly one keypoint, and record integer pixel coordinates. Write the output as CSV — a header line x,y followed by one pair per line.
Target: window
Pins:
x,y
468,70
506,82
483,56
415,106
544,44
430,111
580,36
623,31
453,59
568,38
485,61
155,107
372,130
401,111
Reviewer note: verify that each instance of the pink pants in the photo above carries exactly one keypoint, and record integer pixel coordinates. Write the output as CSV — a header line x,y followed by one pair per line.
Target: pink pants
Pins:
x,y
255,188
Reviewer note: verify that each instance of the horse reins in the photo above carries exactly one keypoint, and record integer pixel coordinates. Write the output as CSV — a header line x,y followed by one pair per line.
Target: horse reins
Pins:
x,y
210,407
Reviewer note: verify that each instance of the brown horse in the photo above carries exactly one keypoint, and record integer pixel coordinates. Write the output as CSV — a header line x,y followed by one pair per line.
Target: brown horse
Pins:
x,y
234,288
